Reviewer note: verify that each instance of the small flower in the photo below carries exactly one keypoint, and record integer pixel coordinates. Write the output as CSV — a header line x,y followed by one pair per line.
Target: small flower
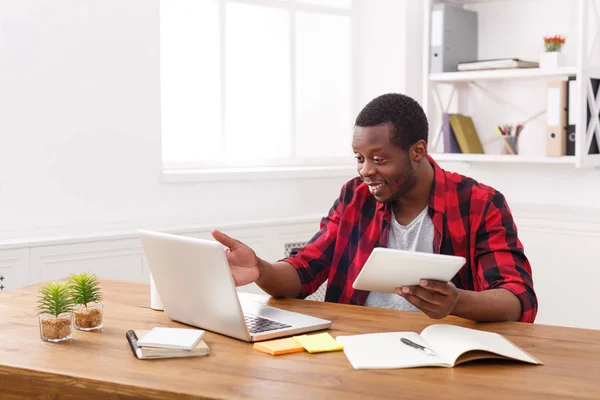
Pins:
x,y
554,43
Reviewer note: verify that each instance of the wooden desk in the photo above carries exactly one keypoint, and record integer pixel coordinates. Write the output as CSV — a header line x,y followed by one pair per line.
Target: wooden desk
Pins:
x,y
101,365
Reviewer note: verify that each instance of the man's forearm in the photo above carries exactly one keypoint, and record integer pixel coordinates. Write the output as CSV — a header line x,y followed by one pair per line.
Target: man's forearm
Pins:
x,y
489,305
278,279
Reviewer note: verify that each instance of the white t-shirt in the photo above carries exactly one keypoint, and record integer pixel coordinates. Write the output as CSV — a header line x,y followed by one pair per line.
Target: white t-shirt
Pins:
x,y
416,236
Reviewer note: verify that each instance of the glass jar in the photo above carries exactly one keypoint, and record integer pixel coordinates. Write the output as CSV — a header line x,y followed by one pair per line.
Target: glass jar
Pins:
x,y
88,318
56,328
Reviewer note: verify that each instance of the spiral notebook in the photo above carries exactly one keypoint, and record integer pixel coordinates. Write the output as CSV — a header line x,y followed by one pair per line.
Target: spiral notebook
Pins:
x,y
143,353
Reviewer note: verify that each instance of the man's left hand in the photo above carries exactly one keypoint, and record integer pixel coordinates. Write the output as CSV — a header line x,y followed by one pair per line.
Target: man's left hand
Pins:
x,y
436,299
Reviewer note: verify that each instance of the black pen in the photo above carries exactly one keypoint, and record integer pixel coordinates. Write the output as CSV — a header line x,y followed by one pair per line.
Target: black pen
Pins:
x,y
418,346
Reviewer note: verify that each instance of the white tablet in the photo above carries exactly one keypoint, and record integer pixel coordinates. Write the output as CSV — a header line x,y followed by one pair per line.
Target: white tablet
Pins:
x,y
387,269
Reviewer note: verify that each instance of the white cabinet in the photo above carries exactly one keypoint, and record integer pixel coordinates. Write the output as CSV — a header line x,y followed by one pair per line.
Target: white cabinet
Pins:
x,y
14,268
111,259
121,257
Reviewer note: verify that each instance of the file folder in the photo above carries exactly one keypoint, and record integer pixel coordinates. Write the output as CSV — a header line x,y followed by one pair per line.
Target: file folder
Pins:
x,y
556,118
572,115
453,37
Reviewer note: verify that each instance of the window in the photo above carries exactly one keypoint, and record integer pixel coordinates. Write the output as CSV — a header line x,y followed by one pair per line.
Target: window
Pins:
x,y
256,83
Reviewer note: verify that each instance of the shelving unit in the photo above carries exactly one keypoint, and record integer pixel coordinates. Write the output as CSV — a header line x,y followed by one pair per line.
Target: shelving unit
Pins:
x,y
446,92
502,158
523,73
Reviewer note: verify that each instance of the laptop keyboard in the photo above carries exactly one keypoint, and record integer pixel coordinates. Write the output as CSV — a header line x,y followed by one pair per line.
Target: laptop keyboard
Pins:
x,y
259,324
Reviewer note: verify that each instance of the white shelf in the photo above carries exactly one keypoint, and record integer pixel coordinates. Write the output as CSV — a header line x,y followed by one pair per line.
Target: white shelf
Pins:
x,y
500,158
513,73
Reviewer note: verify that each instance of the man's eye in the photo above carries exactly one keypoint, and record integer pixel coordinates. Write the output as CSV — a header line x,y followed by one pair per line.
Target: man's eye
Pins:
x,y
359,159
377,160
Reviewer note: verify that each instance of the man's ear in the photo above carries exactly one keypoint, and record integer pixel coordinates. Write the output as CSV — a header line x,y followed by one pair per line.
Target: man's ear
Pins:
x,y
418,151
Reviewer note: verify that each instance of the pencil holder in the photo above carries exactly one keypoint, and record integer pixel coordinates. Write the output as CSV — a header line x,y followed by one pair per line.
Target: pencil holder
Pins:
x,y
510,145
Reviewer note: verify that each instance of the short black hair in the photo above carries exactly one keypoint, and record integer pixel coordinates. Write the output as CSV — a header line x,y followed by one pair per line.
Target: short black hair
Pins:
x,y
403,112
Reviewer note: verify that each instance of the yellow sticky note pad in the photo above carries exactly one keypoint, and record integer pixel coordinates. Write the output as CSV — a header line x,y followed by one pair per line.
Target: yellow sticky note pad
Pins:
x,y
279,346
319,342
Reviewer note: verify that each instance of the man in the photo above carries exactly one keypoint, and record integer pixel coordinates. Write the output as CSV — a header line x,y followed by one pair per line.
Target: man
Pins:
x,y
402,199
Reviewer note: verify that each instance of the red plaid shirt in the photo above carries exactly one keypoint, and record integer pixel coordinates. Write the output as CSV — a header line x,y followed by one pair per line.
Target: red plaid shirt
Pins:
x,y
470,220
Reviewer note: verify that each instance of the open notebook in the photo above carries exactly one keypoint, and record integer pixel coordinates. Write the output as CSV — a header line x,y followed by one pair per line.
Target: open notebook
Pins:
x,y
452,345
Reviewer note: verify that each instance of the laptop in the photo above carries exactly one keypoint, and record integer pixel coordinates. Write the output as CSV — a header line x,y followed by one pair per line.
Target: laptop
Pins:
x,y
195,285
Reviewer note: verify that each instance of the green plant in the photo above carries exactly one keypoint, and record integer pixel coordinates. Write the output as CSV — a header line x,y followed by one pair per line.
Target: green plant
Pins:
x,y
55,299
84,288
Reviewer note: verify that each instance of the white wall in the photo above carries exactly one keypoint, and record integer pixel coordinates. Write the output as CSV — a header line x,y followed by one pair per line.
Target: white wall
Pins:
x,y
79,125
80,148
382,60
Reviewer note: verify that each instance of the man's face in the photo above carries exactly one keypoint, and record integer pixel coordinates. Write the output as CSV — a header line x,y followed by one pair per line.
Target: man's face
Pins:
x,y
385,168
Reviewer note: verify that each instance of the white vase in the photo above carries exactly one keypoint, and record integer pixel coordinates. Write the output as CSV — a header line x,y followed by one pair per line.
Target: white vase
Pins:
x,y
155,302
552,59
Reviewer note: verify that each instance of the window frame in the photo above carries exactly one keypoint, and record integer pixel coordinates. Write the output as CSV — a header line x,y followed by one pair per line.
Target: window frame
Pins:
x,y
289,167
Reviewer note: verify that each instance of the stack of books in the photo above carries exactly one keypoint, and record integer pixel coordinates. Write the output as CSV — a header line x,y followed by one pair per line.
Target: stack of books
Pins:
x,y
500,63
460,134
166,343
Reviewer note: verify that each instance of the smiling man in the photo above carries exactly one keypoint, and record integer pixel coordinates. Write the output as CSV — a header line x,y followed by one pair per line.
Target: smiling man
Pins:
x,y
403,200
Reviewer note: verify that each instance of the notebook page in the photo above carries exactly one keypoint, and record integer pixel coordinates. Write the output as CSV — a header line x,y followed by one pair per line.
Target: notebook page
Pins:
x,y
385,350
171,338
452,341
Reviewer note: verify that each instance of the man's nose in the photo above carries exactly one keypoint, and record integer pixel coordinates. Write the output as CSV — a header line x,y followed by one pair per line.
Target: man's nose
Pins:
x,y
367,168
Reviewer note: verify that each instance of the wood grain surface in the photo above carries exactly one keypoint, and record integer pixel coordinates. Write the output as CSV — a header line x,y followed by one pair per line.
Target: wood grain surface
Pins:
x,y
100,365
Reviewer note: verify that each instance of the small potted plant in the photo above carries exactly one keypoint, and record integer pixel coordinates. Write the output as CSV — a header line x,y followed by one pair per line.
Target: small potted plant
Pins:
x,y
55,311
87,298
552,57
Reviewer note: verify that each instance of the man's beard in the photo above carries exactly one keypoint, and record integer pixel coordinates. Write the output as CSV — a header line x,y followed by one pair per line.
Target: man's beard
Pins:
x,y
409,182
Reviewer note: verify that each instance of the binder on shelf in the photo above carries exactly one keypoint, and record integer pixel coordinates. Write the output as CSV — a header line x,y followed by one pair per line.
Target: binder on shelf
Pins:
x,y
453,37
556,118
450,142
572,116
572,112
466,134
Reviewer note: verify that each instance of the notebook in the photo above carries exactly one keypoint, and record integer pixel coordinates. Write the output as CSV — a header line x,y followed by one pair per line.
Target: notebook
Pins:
x,y
279,346
450,143
451,345
466,134
171,338
201,348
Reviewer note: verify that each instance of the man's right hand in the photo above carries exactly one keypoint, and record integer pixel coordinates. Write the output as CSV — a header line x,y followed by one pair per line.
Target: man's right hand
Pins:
x,y
242,259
